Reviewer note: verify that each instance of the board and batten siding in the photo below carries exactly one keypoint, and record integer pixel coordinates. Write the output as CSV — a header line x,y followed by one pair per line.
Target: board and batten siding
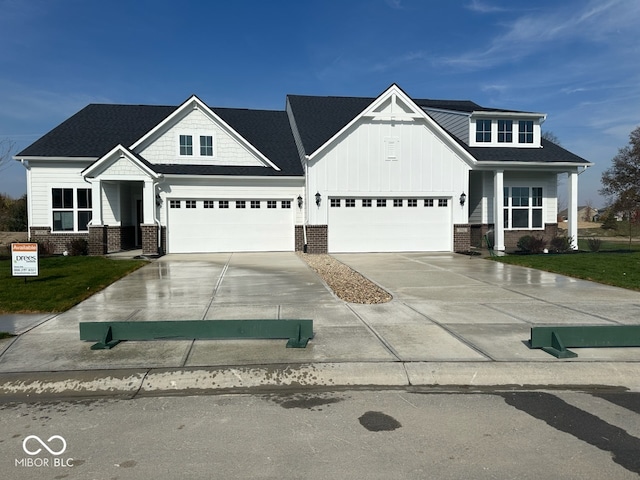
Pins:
x,y
357,165
46,175
227,150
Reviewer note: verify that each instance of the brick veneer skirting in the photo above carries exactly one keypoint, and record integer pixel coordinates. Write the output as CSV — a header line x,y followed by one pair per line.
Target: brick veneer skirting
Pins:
x,y
149,239
58,240
461,238
316,238
511,237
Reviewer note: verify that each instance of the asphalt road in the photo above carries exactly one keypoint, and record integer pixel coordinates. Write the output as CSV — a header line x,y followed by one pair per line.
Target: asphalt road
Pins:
x,y
397,434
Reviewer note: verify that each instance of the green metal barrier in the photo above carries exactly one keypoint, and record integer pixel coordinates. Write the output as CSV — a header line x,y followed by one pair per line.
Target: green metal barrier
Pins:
x,y
556,340
109,334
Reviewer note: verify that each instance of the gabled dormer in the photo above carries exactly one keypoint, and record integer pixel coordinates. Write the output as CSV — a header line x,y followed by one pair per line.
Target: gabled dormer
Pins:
x,y
505,129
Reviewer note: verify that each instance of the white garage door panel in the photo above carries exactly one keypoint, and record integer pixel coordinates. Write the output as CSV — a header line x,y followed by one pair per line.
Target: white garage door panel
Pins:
x,y
195,230
390,229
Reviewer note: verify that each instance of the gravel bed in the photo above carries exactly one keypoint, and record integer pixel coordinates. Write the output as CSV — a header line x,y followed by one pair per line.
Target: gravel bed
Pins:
x,y
345,282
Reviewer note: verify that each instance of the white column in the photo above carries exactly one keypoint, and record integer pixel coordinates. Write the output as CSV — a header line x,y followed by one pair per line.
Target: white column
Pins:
x,y
498,215
148,203
572,211
96,202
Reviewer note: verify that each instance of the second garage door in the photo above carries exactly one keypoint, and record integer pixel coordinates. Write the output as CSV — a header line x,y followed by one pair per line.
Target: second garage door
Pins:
x,y
215,225
390,224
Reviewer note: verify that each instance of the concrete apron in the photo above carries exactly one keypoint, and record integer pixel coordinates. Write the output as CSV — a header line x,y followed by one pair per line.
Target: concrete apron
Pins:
x,y
453,321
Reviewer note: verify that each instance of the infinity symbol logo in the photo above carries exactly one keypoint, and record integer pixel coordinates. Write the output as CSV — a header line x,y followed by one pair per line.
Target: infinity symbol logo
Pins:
x,y
44,445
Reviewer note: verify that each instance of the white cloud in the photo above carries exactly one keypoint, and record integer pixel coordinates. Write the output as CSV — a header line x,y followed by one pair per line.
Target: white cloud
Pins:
x,y
482,7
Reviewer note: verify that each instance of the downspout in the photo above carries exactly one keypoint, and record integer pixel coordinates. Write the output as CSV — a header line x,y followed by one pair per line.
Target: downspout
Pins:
x,y
306,203
156,220
25,164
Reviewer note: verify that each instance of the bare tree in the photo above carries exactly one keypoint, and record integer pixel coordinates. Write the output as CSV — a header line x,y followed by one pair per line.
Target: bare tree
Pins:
x,y
589,211
549,135
6,151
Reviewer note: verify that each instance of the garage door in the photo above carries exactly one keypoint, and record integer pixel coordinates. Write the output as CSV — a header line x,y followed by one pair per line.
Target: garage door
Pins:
x,y
390,224
243,225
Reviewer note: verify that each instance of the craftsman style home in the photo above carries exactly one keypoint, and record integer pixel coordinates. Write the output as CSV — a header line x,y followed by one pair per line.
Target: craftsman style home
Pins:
x,y
326,174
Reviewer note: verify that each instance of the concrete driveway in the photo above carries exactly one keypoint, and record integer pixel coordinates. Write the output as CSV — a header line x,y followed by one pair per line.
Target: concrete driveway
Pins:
x,y
446,308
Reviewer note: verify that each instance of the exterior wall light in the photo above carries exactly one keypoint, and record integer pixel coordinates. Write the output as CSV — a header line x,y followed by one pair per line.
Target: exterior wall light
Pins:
x,y
318,198
463,199
299,201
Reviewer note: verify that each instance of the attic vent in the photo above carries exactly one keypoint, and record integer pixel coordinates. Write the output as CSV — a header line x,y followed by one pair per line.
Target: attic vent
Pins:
x,y
392,146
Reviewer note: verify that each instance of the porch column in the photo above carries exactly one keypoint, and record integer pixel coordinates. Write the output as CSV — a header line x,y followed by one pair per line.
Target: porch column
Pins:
x,y
96,202
149,229
498,224
572,211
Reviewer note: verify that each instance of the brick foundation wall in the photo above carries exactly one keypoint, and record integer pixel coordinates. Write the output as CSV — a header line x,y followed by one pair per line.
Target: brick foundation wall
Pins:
x,y
299,238
97,240
511,237
59,241
114,239
149,239
317,239
461,238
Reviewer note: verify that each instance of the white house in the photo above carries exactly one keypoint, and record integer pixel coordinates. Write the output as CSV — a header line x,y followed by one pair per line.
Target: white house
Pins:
x,y
336,174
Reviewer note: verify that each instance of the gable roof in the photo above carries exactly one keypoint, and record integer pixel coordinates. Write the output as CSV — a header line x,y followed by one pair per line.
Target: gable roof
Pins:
x,y
98,128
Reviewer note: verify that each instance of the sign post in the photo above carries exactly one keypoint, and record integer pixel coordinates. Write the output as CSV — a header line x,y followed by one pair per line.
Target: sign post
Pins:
x,y
24,260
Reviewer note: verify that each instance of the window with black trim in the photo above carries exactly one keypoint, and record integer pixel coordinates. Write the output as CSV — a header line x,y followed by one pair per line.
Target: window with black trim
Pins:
x,y
525,131
241,204
206,145
208,204
443,202
381,202
397,202
285,204
428,202
255,203
412,202
272,204
366,202
335,202
505,131
483,130
190,204
186,145
223,204
350,202
174,204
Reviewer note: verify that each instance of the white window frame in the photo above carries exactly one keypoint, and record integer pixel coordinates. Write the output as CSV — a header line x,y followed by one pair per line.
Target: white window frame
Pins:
x,y
529,136
196,144
534,203
505,133
484,132
74,209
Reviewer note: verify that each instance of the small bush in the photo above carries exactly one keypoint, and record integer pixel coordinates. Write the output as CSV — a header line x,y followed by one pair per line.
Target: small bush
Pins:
x,y
531,244
594,244
560,244
46,248
77,247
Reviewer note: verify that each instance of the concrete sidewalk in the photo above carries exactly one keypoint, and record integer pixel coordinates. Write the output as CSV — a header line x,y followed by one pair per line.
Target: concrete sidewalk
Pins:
x,y
454,321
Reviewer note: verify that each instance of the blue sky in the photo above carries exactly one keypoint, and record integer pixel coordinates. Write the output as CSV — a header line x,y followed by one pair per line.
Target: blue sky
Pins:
x,y
576,60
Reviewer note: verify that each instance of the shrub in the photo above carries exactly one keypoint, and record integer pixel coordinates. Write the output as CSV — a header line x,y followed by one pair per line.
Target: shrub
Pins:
x,y
77,247
46,248
531,244
594,244
560,244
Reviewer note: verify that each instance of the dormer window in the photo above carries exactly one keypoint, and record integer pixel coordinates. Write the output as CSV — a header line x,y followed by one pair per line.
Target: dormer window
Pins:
x,y
525,131
186,145
505,131
483,131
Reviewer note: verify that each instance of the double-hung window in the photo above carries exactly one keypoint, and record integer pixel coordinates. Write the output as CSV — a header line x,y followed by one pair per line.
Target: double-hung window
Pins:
x,y
483,130
71,209
206,145
525,131
186,145
523,208
505,131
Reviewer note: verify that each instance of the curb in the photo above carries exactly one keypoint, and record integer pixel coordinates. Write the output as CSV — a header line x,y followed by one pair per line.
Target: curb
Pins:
x,y
212,380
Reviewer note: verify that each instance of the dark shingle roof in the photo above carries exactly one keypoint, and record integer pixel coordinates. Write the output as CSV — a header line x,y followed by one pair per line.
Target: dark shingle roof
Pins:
x,y
97,128
549,153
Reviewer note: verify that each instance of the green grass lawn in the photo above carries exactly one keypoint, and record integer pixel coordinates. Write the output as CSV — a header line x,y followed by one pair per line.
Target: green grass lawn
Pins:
x,y
63,282
611,266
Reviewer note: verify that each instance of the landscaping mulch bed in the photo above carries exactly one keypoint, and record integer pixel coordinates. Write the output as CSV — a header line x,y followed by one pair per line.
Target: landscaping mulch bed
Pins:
x,y
345,282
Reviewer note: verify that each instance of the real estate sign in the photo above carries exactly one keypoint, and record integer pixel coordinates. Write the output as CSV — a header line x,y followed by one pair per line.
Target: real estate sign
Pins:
x,y
24,259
